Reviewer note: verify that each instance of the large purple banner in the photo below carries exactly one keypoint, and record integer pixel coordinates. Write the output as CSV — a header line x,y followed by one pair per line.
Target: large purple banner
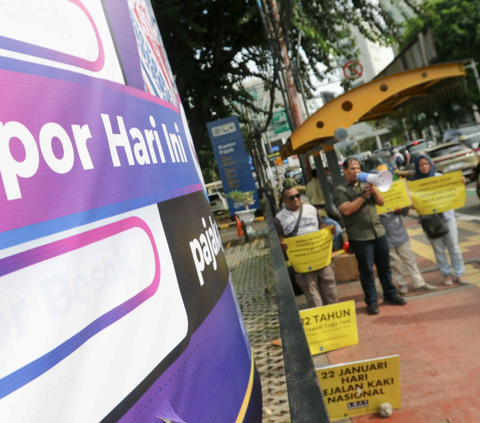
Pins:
x,y
116,300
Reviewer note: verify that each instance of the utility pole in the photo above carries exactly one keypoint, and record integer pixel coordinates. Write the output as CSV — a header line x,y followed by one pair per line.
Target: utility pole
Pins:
x,y
299,40
291,89
280,75
290,82
473,66
271,21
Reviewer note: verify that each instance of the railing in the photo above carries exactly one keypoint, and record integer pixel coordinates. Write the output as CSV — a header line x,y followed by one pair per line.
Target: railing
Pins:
x,y
304,394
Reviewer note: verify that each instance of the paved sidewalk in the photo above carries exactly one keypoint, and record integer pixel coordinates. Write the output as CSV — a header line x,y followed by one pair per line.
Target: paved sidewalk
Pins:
x,y
252,275
437,335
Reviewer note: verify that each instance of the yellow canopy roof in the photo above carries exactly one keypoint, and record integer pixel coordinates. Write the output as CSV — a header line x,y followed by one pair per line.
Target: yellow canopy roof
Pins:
x,y
367,102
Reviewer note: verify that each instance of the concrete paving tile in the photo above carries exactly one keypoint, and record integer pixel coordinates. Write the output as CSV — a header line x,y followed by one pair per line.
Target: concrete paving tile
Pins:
x,y
436,335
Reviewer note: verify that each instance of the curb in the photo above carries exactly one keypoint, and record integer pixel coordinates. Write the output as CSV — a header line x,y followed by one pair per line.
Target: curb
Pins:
x,y
228,225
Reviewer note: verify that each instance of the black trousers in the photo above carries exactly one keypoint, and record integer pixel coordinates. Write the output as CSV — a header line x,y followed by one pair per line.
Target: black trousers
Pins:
x,y
367,253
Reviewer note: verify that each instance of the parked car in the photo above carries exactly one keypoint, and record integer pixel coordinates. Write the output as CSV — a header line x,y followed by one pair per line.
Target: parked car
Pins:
x,y
384,157
296,174
218,203
449,157
453,134
416,146
381,150
472,141
362,159
476,177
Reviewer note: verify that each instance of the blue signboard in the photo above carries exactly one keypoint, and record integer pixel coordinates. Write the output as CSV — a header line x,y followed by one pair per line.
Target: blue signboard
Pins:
x,y
232,160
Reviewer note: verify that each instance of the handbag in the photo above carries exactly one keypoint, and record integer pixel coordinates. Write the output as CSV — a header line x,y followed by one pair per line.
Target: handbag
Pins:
x,y
435,226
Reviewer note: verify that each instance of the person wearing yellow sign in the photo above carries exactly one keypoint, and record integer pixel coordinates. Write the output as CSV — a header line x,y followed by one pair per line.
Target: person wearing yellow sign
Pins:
x,y
319,286
424,168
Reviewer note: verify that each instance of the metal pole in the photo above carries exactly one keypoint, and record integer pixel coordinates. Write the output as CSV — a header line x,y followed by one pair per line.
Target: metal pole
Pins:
x,y
323,178
268,169
291,90
295,113
271,152
407,135
333,164
475,73
270,33
285,101
298,74
379,142
304,393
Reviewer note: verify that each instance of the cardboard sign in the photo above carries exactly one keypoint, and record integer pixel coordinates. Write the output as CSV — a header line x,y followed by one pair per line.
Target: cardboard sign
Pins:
x,y
438,193
311,251
396,196
330,327
360,387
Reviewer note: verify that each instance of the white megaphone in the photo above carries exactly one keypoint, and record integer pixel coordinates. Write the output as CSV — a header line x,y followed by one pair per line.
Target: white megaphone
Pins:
x,y
382,180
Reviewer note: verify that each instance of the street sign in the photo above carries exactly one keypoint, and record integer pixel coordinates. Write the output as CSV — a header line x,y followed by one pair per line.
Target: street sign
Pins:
x,y
352,70
279,122
232,159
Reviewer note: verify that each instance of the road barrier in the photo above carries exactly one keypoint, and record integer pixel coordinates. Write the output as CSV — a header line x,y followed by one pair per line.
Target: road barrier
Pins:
x,y
304,394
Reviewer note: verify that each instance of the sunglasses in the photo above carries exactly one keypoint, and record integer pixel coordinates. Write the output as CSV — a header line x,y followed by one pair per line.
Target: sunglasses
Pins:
x,y
292,197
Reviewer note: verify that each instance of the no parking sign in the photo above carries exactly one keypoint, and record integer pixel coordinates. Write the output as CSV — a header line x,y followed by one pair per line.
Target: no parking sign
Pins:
x,y
353,69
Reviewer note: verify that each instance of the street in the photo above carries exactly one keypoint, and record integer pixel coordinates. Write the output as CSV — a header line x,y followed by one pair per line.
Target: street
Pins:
x,y
472,204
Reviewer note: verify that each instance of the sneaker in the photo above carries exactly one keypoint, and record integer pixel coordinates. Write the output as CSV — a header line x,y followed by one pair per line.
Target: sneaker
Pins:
x,y
448,281
462,280
404,289
427,287
395,300
372,308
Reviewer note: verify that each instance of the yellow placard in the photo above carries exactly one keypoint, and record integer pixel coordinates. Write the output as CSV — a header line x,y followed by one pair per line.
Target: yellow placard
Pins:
x,y
396,196
311,251
359,388
438,193
330,327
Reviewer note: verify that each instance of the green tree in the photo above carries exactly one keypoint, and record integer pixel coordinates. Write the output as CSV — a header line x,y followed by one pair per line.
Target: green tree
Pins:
x,y
455,26
215,45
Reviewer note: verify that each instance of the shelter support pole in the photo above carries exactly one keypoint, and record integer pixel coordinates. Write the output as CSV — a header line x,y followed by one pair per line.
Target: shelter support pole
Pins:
x,y
322,177
333,164
475,72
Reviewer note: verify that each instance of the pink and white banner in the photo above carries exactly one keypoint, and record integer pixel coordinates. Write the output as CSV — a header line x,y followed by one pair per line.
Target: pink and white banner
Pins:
x,y
116,300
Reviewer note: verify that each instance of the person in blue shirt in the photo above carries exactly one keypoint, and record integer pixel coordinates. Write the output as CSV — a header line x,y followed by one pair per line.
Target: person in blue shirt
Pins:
x,y
402,258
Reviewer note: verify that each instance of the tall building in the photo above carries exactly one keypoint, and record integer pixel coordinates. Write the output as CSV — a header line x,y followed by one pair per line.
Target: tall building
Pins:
x,y
373,57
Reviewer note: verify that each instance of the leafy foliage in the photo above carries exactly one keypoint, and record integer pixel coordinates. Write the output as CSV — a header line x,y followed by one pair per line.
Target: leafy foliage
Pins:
x,y
214,45
244,197
455,26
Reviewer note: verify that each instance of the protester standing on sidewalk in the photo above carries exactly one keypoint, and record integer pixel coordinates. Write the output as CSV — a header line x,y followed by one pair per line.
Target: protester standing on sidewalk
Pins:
x,y
424,168
315,194
295,219
289,181
366,235
402,258
398,158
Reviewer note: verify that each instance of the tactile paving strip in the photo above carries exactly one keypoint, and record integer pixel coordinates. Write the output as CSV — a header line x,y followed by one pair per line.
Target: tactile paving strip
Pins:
x,y
252,275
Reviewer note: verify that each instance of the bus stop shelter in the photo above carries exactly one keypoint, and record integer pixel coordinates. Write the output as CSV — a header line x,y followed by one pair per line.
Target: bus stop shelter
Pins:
x,y
377,99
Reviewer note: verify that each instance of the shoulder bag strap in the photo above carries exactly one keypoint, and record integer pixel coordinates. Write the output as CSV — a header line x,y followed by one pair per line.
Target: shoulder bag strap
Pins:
x,y
295,229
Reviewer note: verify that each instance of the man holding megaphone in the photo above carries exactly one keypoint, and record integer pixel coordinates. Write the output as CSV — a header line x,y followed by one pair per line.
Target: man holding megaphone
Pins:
x,y
356,198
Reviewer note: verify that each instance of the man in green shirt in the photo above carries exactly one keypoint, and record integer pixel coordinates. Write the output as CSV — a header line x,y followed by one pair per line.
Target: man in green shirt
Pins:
x,y
366,235
289,182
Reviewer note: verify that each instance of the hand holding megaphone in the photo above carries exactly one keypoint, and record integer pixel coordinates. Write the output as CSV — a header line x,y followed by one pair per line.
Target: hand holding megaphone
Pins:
x,y
382,180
